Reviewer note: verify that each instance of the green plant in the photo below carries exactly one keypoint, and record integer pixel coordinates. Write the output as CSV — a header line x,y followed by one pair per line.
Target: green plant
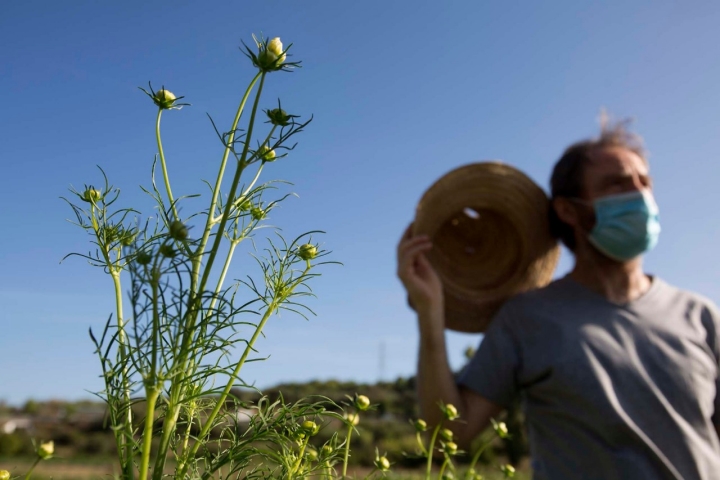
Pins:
x,y
175,345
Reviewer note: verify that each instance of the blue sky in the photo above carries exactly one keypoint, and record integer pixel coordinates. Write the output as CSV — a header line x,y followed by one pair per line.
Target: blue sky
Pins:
x,y
401,92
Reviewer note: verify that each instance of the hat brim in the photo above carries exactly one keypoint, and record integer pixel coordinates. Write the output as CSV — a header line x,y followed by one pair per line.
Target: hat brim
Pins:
x,y
489,226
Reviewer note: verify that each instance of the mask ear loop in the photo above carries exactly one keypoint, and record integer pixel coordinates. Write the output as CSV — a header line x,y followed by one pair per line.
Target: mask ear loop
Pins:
x,y
591,206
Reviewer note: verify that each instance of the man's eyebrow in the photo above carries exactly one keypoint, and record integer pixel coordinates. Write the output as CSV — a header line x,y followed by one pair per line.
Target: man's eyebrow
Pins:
x,y
609,179
616,176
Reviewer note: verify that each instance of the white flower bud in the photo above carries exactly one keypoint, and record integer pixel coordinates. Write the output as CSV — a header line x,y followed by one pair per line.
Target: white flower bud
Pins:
x,y
46,450
275,46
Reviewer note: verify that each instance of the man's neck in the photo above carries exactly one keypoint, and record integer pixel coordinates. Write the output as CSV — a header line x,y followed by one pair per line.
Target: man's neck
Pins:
x,y
618,282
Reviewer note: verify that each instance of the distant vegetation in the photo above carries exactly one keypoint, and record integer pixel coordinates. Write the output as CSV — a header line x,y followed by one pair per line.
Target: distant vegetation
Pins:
x,y
79,430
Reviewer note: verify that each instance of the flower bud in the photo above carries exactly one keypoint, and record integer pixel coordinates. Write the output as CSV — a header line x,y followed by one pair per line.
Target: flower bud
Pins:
x,y
473,475
310,427
164,99
266,154
257,213
111,233
469,353
128,237
244,204
92,195
450,411
420,425
279,117
167,251
501,429
382,464
271,56
46,450
308,251
446,434
143,258
448,476
311,454
508,471
352,418
178,230
4,475
451,448
326,450
275,46
361,401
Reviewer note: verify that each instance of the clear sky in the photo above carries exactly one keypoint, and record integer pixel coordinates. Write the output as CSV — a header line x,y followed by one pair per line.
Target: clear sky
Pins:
x,y
401,91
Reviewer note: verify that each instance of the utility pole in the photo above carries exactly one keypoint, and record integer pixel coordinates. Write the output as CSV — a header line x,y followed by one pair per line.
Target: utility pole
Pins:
x,y
381,362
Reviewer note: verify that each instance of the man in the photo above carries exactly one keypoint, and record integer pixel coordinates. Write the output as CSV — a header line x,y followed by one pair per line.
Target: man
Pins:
x,y
617,370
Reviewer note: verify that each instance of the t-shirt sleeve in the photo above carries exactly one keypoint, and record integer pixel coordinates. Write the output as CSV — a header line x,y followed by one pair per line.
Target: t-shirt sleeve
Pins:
x,y
492,372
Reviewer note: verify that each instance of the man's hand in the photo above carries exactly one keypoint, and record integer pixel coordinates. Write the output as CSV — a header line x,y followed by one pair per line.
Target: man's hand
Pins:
x,y
435,380
423,285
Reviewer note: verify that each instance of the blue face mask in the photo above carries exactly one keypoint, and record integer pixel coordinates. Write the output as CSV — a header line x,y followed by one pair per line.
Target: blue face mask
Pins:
x,y
626,225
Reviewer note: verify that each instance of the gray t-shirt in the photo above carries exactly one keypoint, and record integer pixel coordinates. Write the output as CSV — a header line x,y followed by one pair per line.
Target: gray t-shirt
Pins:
x,y
609,391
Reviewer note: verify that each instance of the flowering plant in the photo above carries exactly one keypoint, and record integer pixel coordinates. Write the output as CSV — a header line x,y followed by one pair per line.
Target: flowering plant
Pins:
x,y
175,347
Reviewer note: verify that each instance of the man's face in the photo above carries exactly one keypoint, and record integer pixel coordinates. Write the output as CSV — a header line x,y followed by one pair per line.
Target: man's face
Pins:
x,y
614,170
609,171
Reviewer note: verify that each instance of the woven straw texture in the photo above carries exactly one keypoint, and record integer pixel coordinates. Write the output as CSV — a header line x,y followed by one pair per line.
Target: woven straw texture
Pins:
x,y
488,223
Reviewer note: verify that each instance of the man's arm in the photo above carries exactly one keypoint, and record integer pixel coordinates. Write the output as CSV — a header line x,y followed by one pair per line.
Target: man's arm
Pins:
x,y
435,381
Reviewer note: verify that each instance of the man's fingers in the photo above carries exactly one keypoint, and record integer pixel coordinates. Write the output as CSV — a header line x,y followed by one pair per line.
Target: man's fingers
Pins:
x,y
411,243
406,261
408,235
423,262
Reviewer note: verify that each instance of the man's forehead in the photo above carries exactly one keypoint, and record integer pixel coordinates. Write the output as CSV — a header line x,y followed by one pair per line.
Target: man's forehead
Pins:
x,y
616,160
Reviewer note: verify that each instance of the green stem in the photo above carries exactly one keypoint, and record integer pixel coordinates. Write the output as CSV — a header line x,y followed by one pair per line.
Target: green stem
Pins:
x,y
151,389
226,266
216,191
152,395
431,450
221,400
442,468
233,190
241,197
294,468
420,442
475,459
164,166
168,428
347,450
186,439
123,434
125,412
27,475
196,288
190,328
153,374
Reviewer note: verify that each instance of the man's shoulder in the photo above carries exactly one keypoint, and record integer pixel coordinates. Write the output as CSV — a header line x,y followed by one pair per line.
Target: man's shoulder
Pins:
x,y
545,302
557,290
677,294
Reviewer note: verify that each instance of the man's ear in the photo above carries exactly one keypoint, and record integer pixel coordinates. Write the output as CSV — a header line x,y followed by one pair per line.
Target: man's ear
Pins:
x,y
566,211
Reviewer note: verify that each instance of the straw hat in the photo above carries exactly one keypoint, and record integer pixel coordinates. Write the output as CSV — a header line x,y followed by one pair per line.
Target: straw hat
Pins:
x,y
491,240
